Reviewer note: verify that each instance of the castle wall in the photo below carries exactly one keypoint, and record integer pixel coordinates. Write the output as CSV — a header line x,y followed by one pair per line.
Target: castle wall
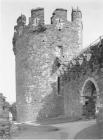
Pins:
x,y
87,67
73,108
36,49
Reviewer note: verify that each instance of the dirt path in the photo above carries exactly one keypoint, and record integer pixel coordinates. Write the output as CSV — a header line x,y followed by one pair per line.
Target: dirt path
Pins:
x,y
71,130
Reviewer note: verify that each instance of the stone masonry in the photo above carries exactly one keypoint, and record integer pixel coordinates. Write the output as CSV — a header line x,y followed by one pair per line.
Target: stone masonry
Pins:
x,y
39,51
83,82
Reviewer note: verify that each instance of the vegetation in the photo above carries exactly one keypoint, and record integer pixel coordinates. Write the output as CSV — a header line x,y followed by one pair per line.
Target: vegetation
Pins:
x,y
13,110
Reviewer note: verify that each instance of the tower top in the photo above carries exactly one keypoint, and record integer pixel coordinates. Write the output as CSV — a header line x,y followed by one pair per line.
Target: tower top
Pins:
x,y
76,14
59,13
36,11
21,20
37,16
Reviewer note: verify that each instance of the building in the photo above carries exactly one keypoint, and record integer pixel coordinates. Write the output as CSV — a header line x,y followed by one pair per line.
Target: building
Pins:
x,y
40,50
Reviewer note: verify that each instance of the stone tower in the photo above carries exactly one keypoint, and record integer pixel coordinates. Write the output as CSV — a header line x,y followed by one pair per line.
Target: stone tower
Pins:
x,y
39,50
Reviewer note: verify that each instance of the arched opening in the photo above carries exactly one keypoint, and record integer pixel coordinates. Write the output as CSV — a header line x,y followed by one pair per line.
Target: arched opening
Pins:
x,y
89,94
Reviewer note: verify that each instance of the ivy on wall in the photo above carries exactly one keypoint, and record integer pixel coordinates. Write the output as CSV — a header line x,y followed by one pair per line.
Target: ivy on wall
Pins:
x,y
89,60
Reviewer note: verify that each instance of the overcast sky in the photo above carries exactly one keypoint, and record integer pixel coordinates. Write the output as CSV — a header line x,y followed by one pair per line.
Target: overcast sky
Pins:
x,y
92,11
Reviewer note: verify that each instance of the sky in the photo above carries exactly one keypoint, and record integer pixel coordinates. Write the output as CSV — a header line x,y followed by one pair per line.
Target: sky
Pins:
x,y
92,11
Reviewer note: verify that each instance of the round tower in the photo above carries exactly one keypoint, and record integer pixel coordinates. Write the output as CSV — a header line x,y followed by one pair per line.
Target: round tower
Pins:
x,y
34,57
38,50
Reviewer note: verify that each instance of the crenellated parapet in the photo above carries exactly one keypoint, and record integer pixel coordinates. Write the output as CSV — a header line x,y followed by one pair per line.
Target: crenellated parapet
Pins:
x,y
59,16
58,20
37,17
76,15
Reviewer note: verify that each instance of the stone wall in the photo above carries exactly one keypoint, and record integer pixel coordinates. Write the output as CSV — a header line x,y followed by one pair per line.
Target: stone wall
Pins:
x,y
87,66
37,47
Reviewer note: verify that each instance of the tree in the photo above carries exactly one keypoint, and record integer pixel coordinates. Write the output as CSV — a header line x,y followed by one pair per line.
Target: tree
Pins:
x,y
14,111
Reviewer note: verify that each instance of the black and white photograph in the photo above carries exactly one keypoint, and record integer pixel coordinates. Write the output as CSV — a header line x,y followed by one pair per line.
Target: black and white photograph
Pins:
x,y
51,69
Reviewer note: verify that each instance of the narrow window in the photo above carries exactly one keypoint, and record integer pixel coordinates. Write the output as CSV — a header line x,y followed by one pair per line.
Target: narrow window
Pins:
x,y
3,107
58,85
61,50
36,22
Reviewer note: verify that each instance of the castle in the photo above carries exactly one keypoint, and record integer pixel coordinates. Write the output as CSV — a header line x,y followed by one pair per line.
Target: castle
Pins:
x,y
40,50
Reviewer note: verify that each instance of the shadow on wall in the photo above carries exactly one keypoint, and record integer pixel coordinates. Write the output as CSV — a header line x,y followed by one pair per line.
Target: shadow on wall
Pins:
x,y
53,105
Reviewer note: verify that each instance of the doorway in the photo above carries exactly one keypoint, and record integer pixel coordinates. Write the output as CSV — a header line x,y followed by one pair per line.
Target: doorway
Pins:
x,y
90,98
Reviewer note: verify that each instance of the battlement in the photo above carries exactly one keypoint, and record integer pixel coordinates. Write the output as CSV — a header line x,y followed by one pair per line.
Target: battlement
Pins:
x,y
37,17
76,14
36,11
59,15
59,21
21,20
